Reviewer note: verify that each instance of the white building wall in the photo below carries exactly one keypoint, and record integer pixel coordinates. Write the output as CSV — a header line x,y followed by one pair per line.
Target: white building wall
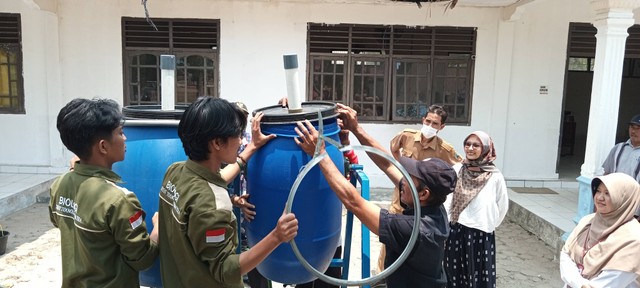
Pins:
x,y
26,144
514,58
539,59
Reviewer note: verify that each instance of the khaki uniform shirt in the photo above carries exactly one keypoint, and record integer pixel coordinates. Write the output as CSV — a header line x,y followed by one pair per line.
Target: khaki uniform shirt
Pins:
x,y
197,229
104,239
412,145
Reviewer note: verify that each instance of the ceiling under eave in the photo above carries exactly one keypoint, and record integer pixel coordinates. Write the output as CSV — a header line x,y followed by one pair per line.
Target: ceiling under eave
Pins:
x,y
460,3
488,3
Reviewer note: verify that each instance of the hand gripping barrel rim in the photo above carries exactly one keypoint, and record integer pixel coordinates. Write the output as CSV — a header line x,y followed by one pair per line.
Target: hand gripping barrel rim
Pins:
x,y
405,253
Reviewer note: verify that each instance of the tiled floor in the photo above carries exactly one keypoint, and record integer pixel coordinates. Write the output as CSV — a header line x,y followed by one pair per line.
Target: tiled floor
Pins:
x,y
558,209
11,183
18,191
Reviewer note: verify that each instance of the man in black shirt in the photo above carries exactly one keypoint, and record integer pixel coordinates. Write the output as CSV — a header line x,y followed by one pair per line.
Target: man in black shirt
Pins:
x,y
434,180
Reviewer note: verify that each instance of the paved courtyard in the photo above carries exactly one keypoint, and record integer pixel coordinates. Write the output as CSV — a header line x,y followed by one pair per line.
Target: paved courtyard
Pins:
x,y
33,254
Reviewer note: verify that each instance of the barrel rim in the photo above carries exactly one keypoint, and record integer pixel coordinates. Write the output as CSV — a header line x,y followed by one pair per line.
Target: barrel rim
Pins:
x,y
327,113
151,122
153,112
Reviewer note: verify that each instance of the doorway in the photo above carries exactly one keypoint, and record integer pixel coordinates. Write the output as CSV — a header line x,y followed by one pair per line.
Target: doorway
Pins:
x,y
577,95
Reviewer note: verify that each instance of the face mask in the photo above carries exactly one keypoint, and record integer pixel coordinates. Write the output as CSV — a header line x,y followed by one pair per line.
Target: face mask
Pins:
x,y
428,131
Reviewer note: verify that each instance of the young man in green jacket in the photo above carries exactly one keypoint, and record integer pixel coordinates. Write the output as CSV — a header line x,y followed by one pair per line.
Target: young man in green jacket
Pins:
x,y
104,237
198,227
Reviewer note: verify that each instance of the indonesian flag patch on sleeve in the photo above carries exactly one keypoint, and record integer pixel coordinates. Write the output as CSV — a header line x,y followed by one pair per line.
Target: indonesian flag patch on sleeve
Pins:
x,y
136,220
215,236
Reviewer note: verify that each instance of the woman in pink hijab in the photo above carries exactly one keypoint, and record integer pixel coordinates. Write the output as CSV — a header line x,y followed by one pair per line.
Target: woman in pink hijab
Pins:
x,y
475,209
604,248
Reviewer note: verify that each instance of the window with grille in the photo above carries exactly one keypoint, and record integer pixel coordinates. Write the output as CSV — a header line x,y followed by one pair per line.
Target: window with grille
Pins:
x,y
392,73
582,49
194,42
11,82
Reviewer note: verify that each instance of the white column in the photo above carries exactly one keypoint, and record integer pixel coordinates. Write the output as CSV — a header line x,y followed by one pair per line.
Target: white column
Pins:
x,y
612,18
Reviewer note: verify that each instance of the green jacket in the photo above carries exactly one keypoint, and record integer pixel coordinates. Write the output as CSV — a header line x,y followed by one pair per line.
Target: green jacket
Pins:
x,y
104,239
197,229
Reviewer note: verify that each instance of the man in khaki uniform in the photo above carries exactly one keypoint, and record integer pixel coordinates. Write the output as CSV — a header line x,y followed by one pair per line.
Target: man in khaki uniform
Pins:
x,y
419,145
104,239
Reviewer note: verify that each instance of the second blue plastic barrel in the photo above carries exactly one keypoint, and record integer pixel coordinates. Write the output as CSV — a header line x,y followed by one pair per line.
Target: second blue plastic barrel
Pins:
x,y
270,176
152,145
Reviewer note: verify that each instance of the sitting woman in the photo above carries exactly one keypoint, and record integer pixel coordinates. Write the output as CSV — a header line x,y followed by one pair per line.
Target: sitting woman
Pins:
x,y
602,251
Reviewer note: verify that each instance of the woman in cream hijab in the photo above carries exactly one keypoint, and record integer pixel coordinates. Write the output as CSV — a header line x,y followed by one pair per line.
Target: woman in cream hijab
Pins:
x,y
603,249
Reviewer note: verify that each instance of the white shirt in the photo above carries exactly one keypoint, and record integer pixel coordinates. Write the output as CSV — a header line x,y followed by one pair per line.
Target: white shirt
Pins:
x,y
487,210
607,278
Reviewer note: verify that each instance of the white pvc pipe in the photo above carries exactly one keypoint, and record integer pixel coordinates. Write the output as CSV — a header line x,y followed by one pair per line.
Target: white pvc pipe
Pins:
x,y
168,88
293,85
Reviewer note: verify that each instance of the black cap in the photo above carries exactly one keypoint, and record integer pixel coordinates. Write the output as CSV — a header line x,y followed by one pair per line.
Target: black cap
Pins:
x,y
635,120
436,174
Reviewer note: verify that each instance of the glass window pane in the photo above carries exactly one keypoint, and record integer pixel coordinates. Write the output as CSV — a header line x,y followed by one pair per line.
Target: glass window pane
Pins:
x,y
412,111
578,64
148,74
379,89
14,89
133,97
400,68
180,61
460,112
339,91
3,57
148,85
358,68
358,108
150,92
5,102
367,110
13,72
134,75
339,66
134,60
400,111
379,110
400,89
181,86
210,78
209,62
210,91
13,57
4,80
195,61
195,84
452,69
327,88
148,59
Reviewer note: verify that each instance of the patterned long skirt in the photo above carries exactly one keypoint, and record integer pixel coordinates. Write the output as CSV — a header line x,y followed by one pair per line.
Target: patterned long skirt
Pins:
x,y
470,258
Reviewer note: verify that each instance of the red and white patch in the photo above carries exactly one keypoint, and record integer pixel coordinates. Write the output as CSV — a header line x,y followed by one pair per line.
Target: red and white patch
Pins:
x,y
136,220
215,236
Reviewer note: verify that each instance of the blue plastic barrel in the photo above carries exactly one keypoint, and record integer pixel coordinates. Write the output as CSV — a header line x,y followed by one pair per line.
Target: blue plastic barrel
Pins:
x,y
271,172
152,145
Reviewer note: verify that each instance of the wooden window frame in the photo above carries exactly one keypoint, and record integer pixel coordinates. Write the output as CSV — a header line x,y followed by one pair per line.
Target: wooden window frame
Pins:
x,y
11,42
392,44
170,39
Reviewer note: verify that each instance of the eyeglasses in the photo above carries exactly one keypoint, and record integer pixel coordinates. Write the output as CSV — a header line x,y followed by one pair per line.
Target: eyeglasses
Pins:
x,y
472,145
